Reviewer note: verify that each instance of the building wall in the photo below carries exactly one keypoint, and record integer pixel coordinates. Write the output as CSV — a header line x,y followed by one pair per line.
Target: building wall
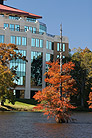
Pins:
x,y
28,48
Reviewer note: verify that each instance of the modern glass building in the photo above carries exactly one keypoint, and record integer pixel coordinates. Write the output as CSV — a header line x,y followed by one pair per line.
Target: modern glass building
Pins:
x,y
30,35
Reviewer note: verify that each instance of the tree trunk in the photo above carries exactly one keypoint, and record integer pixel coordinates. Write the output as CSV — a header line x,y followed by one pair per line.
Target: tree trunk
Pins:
x,y
2,103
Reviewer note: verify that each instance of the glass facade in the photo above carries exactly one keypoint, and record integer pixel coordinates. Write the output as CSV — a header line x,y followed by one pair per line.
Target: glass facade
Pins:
x,y
31,19
33,42
49,45
36,68
17,27
21,68
59,47
1,38
24,41
12,27
13,40
36,42
41,43
14,17
6,25
42,28
34,30
18,40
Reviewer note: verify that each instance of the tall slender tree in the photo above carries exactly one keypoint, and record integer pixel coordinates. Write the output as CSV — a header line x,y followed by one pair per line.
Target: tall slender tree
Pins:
x,y
49,97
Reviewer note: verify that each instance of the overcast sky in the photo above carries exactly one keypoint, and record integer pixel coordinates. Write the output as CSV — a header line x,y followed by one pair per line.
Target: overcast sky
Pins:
x,y
75,16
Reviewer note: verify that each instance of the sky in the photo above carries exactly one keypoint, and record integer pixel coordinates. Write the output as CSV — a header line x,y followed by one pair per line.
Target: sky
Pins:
x,y
75,16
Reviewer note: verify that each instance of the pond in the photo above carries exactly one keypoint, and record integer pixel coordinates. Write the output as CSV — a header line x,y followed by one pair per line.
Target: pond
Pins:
x,y
35,125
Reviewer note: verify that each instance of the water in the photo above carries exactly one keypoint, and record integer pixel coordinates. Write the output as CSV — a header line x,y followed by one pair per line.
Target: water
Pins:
x,y
35,125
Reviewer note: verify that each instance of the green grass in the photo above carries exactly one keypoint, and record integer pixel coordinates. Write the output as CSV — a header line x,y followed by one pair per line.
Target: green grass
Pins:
x,y
20,105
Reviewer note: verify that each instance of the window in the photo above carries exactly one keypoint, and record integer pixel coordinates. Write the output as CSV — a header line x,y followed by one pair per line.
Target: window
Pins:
x,y
13,39
31,19
34,30
63,47
14,17
37,42
17,27
18,40
36,68
47,57
24,41
41,43
33,42
42,28
26,28
6,25
21,69
1,38
12,27
58,49
30,28
48,44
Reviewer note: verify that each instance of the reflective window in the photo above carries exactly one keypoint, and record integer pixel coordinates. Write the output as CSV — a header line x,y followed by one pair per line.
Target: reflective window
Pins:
x,y
6,25
58,49
21,69
24,41
36,68
31,20
47,57
41,43
14,17
12,27
48,44
30,28
13,39
34,30
37,42
63,47
17,27
18,40
33,42
26,28
1,38
42,28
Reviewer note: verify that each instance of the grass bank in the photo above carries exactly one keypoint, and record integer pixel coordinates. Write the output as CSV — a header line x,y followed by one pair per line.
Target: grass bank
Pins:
x,y
20,105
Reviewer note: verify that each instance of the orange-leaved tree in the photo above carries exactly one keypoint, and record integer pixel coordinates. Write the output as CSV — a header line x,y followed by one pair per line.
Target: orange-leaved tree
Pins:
x,y
90,99
7,75
49,98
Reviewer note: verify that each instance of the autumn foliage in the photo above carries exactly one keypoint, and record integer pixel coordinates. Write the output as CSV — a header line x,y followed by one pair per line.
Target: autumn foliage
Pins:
x,y
7,75
90,99
49,98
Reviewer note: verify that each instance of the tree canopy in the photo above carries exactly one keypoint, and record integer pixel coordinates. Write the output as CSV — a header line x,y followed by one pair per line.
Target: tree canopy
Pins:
x,y
7,75
49,97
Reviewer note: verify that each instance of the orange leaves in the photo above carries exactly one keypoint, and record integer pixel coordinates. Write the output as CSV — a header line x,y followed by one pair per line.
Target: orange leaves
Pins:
x,y
49,97
90,100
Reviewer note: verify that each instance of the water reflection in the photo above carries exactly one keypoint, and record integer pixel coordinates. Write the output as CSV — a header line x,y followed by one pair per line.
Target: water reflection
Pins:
x,y
35,125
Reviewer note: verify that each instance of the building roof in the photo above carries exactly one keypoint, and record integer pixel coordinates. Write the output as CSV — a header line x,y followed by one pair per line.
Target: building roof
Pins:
x,y
11,10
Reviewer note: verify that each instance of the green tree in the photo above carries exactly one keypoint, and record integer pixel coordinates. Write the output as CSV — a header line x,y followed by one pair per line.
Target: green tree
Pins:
x,y
7,75
83,73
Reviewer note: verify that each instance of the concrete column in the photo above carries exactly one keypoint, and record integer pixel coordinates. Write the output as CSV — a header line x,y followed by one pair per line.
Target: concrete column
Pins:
x,y
28,66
